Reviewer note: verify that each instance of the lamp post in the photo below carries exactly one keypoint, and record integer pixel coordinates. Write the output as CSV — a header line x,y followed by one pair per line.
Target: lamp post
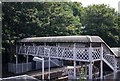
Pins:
x,y
39,60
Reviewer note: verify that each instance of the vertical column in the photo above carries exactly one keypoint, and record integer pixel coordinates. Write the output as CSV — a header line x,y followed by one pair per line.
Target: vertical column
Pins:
x,y
74,55
42,68
101,69
90,60
101,63
90,70
33,49
115,65
27,62
16,63
49,65
16,59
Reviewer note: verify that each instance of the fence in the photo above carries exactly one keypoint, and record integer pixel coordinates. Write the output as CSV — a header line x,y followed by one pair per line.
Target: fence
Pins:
x,y
19,68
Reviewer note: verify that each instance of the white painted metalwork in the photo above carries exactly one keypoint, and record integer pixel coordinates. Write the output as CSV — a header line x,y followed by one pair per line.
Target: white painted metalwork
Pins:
x,y
90,62
86,54
67,53
49,64
101,62
74,57
56,52
109,59
96,53
101,69
82,54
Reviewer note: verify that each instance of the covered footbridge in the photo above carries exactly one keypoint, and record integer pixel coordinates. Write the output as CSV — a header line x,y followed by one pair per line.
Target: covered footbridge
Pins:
x,y
90,50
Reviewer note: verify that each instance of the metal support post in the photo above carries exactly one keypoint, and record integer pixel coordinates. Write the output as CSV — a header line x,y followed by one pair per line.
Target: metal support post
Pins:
x,y
115,65
101,63
90,70
74,69
90,59
74,62
43,69
101,69
27,62
49,66
16,62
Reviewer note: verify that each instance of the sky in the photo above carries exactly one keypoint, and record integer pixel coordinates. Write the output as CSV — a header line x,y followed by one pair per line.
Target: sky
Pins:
x,y
111,3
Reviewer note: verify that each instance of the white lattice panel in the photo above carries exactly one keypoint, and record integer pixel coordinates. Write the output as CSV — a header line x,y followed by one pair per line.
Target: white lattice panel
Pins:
x,y
32,50
40,51
53,52
96,53
82,54
60,52
109,59
68,53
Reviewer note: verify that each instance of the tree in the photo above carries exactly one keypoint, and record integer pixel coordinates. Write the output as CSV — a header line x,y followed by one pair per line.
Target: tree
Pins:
x,y
101,20
22,20
58,19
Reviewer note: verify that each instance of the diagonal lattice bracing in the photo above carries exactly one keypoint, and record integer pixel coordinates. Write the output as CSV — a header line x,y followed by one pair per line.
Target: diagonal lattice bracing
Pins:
x,y
96,54
67,53
82,54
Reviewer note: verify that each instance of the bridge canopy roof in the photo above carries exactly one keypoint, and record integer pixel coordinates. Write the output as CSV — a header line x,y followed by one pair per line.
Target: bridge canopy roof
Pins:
x,y
63,39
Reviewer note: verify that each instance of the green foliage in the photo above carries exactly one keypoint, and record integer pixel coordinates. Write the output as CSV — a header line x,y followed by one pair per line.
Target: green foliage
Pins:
x,y
27,19
101,20
58,19
82,78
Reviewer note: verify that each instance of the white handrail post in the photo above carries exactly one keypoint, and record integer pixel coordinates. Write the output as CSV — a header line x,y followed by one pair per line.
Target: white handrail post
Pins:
x,y
101,62
90,60
74,55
